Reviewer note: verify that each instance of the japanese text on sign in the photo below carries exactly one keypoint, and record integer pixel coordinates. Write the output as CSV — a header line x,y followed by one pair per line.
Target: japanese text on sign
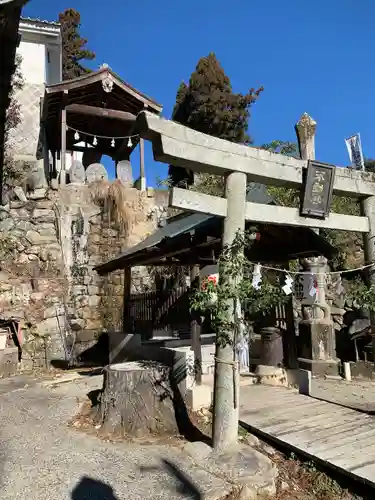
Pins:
x,y
318,190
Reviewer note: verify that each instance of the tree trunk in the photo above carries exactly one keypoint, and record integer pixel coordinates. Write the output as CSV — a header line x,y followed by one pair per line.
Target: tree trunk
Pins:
x,y
137,400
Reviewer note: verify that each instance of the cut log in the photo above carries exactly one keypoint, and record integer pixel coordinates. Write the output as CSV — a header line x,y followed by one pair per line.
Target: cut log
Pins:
x,y
137,400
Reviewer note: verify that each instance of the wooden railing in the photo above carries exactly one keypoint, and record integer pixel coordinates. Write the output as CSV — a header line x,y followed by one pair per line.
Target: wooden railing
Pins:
x,y
153,312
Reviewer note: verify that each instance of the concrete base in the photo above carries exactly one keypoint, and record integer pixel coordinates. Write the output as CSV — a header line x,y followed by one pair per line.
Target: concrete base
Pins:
x,y
319,368
200,396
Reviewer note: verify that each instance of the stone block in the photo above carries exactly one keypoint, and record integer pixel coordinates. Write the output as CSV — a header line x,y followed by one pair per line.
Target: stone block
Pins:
x,y
25,225
199,396
94,324
319,368
16,204
35,238
79,290
38,194
44,204
19,213
317,340
51,232
51,325
304,382
8,362
94,300
7,225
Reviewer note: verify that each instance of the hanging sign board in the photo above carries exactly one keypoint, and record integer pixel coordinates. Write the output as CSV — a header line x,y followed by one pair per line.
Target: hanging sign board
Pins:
x,y
354,146
318,186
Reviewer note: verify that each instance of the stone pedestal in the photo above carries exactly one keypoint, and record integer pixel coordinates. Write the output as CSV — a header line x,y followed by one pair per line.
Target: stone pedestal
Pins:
x,y
317,347
199,396
317,343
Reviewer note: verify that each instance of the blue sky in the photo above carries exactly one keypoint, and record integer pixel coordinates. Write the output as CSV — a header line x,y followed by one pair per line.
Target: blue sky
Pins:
x,y
310,56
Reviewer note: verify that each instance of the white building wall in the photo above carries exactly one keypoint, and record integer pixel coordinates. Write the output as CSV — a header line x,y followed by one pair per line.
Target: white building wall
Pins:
x,y
40,51
33,64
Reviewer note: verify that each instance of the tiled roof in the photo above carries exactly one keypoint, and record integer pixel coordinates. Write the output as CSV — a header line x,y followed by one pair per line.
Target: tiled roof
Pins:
x,y
40,21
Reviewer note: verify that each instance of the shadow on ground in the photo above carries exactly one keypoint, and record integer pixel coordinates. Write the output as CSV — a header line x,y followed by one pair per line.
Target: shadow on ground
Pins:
x,y
182,483
92,489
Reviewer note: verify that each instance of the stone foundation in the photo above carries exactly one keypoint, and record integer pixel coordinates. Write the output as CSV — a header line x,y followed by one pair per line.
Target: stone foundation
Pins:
x,y
48,249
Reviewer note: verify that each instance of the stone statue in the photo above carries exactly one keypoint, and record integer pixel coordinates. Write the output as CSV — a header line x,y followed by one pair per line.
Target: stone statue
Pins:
x,y
96,172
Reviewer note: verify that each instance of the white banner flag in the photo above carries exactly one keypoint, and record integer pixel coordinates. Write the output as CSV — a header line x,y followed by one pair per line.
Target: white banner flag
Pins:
x,y
354,146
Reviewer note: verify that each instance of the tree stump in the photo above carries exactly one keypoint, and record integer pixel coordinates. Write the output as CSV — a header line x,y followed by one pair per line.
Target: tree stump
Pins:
x,y
137,400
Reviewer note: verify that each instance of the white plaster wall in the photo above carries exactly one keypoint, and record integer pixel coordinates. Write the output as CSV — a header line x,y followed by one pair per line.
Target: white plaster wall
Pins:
x,y
33,62
53,64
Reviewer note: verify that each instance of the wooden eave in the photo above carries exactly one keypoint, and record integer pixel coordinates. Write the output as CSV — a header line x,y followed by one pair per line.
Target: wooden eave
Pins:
x,y
200,243
100,75
88,90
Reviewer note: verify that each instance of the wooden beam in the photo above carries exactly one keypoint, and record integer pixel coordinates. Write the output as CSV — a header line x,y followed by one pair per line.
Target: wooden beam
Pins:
x,y
266,214
84,109
127,292
183,147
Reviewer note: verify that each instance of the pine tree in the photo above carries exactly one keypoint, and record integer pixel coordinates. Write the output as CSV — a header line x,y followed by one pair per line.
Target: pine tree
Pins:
x,y
208,104
74,50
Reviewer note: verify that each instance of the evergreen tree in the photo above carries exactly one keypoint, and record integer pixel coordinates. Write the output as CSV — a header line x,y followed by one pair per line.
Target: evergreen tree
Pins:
x,y
208,104
74,50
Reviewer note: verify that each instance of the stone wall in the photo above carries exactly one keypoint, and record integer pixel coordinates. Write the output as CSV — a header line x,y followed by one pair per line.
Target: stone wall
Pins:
x,y
48,248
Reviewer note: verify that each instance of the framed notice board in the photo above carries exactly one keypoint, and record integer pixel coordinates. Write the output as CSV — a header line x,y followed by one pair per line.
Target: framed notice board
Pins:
x,y
318,187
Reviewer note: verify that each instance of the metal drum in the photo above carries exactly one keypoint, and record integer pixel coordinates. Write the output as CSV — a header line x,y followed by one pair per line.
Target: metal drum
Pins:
x,y
272,353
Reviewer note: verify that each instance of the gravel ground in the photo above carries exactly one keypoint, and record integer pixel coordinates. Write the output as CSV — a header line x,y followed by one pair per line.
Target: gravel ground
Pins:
x,y
42,458
355,394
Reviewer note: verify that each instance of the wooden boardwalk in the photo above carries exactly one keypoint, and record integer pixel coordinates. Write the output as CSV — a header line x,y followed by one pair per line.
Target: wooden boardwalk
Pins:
x,y
338,436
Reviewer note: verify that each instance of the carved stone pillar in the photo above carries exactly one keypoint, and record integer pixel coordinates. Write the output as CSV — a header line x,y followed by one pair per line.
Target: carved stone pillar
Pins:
x,y
317,343
317,350
306,129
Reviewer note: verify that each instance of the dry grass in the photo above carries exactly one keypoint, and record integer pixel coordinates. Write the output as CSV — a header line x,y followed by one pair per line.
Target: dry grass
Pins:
x,y
304,481
112,197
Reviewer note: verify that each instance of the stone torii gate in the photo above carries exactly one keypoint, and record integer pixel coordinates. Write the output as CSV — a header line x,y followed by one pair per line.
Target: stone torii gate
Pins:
x,y
180,146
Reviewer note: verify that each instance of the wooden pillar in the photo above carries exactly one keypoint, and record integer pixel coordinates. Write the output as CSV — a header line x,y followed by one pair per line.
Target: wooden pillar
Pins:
x,y
195,331
127,292
63,148
142,174
226,388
